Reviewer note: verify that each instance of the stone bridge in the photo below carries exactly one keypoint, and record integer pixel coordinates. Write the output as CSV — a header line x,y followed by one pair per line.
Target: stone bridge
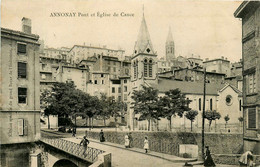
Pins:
x,y
63,153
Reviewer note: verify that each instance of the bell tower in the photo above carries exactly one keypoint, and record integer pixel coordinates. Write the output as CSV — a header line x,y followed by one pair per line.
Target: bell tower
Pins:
x,y
169,47
143,67
144,59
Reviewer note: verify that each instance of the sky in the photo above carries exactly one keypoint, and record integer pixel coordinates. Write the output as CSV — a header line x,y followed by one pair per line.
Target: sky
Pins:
x,y
205,28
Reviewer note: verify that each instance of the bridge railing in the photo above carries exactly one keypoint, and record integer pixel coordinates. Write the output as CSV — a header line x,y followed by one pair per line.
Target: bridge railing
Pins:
x,y
75,149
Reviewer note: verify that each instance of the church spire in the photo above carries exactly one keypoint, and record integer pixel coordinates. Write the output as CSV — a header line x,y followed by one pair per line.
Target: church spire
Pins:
x,y
169,47
169,38
143,43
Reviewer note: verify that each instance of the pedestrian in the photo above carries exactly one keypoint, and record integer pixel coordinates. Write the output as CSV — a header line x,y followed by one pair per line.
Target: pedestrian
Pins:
x,y
126,141
101,136
208,159
130,140
146,144
246,159
85,143
74,131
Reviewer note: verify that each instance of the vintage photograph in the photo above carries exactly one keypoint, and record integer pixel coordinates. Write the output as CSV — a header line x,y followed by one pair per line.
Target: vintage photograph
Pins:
x,y
130,83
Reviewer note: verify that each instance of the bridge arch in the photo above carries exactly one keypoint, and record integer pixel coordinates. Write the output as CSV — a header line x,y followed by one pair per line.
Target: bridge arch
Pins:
x,y
64,163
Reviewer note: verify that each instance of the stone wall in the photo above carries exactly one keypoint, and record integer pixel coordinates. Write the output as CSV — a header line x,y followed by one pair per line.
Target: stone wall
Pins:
x,y
231,159
166,142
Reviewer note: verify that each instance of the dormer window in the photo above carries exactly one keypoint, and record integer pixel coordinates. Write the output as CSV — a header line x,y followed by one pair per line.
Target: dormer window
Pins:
x,y
135,51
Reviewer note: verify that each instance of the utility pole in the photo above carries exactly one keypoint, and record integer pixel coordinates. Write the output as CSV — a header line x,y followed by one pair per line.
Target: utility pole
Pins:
x,y
203,115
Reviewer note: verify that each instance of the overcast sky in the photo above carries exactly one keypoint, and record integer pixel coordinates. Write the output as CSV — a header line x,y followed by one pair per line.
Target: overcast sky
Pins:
x,y
205,28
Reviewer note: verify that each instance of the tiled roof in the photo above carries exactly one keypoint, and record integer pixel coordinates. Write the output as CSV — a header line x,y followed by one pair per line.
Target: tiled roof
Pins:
x,y
187,87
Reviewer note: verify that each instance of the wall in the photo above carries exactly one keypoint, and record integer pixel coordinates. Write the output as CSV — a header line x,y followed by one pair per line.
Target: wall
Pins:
x,y
10,81
9,126
168,143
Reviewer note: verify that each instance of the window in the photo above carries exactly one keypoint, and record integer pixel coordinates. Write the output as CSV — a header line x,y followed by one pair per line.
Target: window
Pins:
x,y
145,68
22,95
102,82
125,81
251,117
119,89
251,83
119,98
125,88
150,68
21,48
95,81
125,97
113,90
240,105
20,127
43,76
200,104
114,69
229,100
210,104
102,75
135,72
114,63
21,70
43,66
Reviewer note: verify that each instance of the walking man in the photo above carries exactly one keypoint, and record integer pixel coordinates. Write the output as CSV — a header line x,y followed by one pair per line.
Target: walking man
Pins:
x,y
85,143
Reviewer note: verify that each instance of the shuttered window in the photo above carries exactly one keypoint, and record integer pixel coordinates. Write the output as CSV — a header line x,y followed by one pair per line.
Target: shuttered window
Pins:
x,y
21,70
21,48
22,95
252,118
20,127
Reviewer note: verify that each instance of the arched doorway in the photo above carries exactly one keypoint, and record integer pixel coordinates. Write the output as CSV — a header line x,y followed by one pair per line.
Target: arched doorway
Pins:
x,y
64,163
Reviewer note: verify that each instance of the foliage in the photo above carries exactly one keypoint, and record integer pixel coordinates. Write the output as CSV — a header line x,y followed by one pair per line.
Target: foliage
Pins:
x,y
191,115
211,116
146,104
226,118
174,102
241,119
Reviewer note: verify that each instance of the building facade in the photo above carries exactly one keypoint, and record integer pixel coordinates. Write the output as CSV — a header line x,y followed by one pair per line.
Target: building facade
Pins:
x,y
249,12
20,89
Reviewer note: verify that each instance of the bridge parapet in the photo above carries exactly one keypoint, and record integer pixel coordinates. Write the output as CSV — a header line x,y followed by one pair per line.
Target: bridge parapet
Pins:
x,y
75,149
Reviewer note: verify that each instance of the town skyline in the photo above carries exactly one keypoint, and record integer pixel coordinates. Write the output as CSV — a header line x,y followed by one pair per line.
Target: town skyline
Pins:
x,y
204,21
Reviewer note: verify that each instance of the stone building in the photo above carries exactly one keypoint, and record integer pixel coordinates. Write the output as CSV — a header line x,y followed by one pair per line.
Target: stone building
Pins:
x,y
224,98
82,52
249,12
194,75
20,93
218,65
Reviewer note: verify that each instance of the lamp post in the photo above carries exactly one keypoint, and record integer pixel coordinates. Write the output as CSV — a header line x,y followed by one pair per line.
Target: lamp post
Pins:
x,y
203,116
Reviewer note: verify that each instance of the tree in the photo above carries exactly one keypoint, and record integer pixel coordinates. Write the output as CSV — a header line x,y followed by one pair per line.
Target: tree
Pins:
x,y
241,119
104,112
45,101
211,116
174,102
226,118
191,115
146,104
64,100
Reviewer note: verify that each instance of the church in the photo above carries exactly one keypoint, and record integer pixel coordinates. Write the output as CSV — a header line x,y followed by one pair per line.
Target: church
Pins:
x,y
222,97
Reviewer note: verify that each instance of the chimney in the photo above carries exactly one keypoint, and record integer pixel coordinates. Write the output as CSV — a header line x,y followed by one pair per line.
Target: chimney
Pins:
x,y
222,57
26,25
207,59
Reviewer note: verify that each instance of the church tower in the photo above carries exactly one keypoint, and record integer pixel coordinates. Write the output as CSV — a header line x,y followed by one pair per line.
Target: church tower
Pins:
x,y
143,67
169,47
144,59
